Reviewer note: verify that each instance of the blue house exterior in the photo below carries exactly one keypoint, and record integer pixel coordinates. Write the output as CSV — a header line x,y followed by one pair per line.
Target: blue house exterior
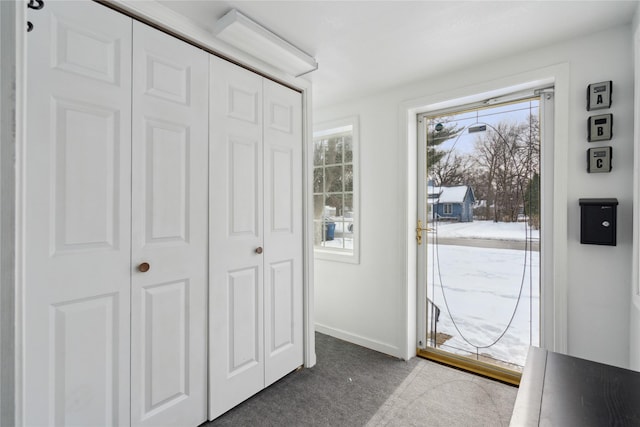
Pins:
x,y
452,203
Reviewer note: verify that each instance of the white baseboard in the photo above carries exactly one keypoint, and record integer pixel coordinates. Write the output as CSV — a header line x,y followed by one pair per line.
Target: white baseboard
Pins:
x,y
359,340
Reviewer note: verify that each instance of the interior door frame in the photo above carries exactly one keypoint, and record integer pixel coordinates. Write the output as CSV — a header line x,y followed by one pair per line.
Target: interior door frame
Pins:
x,y
553,321
12,96
14,40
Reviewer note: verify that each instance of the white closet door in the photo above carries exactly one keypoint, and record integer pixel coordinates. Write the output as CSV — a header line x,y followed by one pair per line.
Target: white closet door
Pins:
x,y
169,231
283,230
256,234
77,193
236,366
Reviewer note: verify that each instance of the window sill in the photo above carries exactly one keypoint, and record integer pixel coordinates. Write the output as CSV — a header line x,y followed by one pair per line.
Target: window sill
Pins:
x,y
321,254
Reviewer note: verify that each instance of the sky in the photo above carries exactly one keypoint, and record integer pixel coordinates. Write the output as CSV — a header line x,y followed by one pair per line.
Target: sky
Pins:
x,y
464,143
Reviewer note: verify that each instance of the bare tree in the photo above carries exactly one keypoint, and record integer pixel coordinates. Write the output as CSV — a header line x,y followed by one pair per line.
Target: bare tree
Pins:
x,y
452,169
507,154
487,149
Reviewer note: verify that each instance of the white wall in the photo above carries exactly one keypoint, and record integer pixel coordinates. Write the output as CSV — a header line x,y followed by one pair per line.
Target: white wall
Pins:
x,y
366,303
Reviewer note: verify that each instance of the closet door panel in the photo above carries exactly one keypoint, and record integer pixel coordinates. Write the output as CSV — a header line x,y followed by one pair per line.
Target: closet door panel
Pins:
x,y
236,362
77,217
169,231
283,230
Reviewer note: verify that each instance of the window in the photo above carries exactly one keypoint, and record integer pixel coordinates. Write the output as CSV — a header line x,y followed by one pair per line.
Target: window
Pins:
x,y
335,190
447,209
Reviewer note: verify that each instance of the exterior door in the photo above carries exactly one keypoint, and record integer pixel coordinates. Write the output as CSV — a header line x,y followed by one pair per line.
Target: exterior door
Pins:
x,y
479,262
169,231
255,234
77,210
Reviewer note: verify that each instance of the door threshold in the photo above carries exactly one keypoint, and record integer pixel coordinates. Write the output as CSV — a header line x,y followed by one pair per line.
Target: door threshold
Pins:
x,y
467,364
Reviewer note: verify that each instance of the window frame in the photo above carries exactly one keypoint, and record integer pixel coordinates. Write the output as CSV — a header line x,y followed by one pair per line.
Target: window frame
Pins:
x,y
325,128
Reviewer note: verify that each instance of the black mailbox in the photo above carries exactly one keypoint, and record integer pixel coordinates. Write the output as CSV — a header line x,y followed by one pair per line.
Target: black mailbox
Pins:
x,y
598,221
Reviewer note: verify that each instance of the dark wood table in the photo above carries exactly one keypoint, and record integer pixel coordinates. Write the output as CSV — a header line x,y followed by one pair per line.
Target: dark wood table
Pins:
x,y
565,391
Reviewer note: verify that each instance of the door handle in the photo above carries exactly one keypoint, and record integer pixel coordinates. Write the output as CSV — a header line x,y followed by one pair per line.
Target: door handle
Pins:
x,y
259,250
144,267
419,230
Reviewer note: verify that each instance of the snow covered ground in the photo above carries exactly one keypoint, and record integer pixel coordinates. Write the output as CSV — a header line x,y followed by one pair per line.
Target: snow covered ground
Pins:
x,y
343,238
516,231
489,298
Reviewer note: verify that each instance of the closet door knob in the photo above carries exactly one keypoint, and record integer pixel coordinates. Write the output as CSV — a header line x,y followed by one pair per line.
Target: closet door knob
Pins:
x,y
144,267
259,250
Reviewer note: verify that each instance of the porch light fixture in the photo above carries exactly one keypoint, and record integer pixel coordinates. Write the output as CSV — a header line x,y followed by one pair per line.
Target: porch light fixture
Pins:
x,y
245,34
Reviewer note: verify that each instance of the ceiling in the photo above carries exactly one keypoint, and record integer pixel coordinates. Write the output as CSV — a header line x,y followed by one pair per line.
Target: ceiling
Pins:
x,y
367,46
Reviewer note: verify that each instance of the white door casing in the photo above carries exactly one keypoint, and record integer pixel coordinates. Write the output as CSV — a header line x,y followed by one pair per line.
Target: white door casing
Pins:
x,y
169,230
77,192
255,234
424,208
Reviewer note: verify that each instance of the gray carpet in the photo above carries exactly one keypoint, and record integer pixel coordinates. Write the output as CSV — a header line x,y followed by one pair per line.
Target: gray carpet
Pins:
x,y
354,386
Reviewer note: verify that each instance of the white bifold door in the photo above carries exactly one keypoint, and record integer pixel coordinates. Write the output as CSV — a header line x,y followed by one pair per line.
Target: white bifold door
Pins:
x,y
169,231
255,328
115,223
77,217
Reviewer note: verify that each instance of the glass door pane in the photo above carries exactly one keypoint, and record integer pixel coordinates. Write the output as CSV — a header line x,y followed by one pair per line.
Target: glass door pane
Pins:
x,y
483,232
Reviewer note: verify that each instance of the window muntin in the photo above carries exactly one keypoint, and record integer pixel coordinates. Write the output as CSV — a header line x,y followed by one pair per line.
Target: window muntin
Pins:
x,y
334,191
